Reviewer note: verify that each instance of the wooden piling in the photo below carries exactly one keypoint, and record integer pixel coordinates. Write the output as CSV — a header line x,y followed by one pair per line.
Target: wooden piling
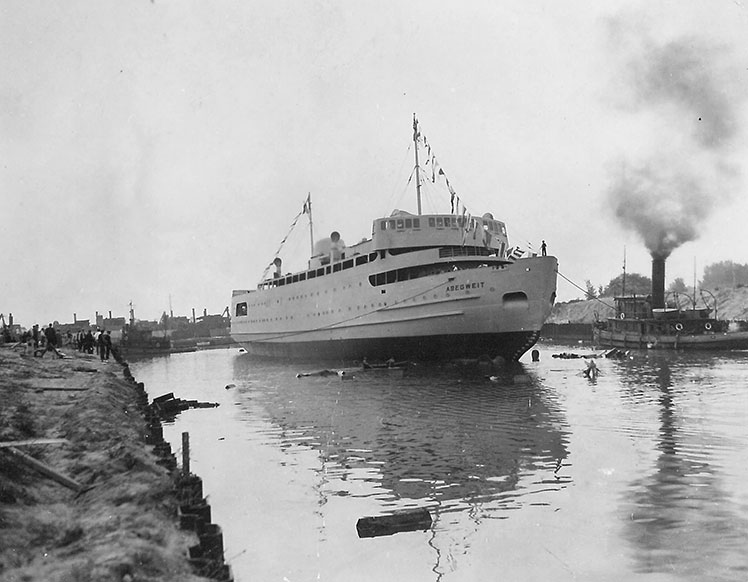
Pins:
x,y
185,453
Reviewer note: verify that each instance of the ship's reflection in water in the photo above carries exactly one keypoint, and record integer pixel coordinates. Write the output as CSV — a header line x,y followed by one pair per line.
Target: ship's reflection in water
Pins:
x,y
639,475
679,517
454,442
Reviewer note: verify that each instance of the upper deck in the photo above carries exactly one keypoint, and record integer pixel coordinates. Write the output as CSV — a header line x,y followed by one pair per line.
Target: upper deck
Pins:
x,y
405,230
461,239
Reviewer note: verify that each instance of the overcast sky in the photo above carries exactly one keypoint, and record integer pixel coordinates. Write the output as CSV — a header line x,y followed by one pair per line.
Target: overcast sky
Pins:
x,y
157,152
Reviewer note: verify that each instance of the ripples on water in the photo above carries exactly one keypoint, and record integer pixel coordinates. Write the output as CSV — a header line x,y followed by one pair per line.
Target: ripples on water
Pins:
x,y
639,475
441,437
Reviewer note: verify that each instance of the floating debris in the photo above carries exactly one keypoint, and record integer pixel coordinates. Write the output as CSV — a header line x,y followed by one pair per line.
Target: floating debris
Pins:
x,y
591,371
167,406
385,525
319,373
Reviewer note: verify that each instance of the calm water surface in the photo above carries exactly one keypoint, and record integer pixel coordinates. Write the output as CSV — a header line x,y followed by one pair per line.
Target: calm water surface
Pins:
x,y
543,474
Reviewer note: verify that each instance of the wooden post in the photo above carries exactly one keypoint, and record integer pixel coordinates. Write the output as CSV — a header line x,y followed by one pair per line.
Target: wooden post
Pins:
x,y
46,470
31,442
185,453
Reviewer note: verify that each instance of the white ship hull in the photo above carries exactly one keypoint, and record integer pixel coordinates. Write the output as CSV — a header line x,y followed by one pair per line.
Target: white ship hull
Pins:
x,y
462,312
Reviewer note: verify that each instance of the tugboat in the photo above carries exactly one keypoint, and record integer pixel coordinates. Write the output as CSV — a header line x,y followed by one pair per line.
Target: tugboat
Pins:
x,y
423,287
648,322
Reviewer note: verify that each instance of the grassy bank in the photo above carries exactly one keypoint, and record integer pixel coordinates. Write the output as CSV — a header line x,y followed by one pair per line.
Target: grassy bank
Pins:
x,y
116,518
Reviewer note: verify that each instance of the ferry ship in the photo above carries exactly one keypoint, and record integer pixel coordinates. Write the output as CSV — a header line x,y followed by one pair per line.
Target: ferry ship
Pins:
x,y
422,287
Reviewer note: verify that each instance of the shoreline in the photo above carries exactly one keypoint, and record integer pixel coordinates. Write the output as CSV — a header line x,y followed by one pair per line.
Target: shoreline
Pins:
x,y
107,509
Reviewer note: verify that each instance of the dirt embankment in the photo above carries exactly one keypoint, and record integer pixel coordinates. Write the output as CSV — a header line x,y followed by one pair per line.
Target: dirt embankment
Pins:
x,y
732,304
122,526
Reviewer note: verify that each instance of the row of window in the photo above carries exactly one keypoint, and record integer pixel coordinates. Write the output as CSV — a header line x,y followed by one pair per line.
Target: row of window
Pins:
x,y
404,274
410,273
320,272
440,222
447,252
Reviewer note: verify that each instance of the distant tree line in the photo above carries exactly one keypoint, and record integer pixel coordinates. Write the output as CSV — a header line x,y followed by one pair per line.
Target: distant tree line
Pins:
x,y
717,275
725,274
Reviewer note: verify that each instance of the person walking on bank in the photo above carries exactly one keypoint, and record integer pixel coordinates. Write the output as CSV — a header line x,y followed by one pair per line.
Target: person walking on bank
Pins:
x,y
51,336
106,339
29,348
100,344
88,343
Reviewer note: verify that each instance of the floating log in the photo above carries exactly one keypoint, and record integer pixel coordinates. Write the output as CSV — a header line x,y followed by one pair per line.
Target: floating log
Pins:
x,y
385,525
384,366
319,373
46,470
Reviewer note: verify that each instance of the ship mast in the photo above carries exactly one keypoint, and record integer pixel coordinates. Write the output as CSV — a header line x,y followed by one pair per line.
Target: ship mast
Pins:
x,y
418,170
308,208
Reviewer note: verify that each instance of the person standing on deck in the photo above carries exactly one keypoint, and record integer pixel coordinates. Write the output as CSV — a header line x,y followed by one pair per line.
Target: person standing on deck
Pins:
x,y
543,248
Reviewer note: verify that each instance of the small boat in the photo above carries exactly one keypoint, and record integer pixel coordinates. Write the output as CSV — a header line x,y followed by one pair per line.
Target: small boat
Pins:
x,y
648,322
138,340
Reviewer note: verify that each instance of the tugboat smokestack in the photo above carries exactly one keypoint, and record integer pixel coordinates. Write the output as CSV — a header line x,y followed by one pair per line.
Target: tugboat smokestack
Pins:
x,y
658,282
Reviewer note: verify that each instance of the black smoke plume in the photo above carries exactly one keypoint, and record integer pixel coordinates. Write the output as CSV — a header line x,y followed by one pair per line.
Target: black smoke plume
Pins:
x,y
683,89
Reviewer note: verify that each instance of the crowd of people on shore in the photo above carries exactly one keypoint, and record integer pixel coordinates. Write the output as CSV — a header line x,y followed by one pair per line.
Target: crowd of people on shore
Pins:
x,y
38,342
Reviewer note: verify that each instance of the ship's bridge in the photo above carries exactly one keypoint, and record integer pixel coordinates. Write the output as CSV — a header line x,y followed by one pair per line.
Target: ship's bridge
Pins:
x,y
404,230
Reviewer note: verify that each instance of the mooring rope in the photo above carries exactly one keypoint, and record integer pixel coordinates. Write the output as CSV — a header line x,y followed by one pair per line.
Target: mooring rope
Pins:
x,y
560,274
